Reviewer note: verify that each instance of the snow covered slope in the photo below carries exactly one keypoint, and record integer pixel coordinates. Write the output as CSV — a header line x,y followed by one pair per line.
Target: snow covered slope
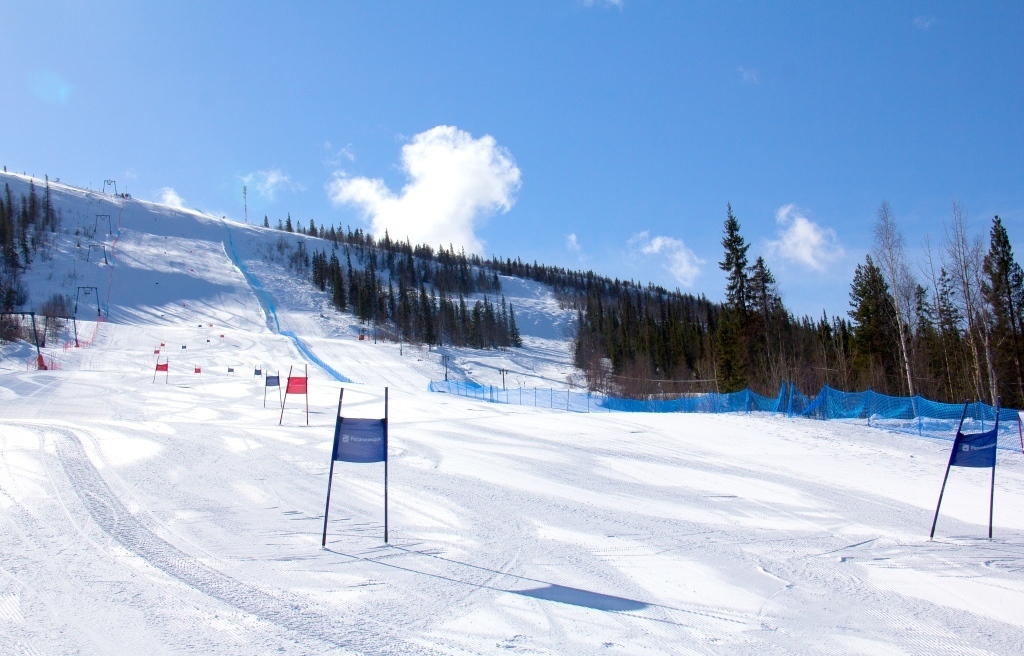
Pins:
x,y
179,518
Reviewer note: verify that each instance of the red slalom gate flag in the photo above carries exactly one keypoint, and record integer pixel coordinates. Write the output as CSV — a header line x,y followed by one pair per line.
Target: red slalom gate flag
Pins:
x,y
162,367
296,385
199,370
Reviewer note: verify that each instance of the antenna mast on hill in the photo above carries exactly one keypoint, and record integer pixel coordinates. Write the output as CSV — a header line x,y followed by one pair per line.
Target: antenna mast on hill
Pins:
x,y
245,201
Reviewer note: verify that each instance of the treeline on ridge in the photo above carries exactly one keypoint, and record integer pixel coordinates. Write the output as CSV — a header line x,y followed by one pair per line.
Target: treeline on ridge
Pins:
x,y
955,334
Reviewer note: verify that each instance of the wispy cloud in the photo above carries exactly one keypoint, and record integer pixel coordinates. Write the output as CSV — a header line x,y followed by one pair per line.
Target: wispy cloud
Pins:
x,y
803,241
603,3
680,261
923,23
267,183
167,196
455,182
50,87
337,156
748,75
572,244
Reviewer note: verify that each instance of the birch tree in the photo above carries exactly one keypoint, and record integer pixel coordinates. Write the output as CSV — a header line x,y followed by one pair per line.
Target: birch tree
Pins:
x,y
890,253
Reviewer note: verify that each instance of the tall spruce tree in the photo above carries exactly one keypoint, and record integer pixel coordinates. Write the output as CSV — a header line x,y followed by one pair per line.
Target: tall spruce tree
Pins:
x,y
874,340
731,338
1003,289
734,264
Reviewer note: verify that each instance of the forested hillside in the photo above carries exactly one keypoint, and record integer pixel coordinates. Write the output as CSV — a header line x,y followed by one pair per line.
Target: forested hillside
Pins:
x,y
952,331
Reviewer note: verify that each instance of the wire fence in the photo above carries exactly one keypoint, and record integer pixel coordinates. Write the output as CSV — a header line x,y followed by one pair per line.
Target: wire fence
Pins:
x,y
904,414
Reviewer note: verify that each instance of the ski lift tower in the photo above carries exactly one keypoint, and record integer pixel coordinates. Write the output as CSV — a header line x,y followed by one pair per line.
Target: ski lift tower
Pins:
x,y
110,226
97,247
88,291
112,183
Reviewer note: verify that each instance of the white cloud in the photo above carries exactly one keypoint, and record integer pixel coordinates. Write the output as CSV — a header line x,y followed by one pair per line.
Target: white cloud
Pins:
x,y
748,75
167,196
267,183
455,182
923,23
572,244
604,3
804,241
335,156
683,263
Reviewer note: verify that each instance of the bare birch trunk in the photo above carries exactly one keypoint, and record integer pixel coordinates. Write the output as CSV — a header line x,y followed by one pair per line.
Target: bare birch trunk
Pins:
x,y
965,259
890,252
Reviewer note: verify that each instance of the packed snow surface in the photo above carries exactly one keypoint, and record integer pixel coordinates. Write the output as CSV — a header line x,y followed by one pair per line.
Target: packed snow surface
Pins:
x,y
139,516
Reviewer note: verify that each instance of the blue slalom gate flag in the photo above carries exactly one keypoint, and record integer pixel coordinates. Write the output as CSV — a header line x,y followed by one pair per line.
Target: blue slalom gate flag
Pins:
x,y
360,440
974,450
272,381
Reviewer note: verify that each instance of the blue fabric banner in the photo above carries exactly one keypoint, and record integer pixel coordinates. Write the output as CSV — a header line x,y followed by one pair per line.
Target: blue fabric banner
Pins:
x,y
974,450
360,440
273,381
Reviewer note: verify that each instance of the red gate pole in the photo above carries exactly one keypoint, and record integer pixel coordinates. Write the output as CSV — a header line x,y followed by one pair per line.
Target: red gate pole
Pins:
x,y
307,394
285,397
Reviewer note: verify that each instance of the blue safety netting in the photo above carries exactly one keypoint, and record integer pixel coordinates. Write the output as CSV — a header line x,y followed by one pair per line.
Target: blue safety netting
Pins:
x,y
905,414
532,396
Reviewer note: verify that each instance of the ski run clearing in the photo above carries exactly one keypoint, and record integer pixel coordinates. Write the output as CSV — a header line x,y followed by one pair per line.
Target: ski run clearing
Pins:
x,y
142,517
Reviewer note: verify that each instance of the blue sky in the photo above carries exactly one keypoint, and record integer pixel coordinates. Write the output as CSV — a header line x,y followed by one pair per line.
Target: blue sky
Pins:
x,y
603,135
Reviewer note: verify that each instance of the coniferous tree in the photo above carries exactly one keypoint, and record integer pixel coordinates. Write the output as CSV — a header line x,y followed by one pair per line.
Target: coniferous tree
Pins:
x,y
734,264
873,341
732,357
765,312
1003,289
513,330
731,335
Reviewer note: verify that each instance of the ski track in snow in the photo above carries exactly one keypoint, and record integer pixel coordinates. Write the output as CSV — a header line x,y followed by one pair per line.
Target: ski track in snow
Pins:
x,y
151,517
